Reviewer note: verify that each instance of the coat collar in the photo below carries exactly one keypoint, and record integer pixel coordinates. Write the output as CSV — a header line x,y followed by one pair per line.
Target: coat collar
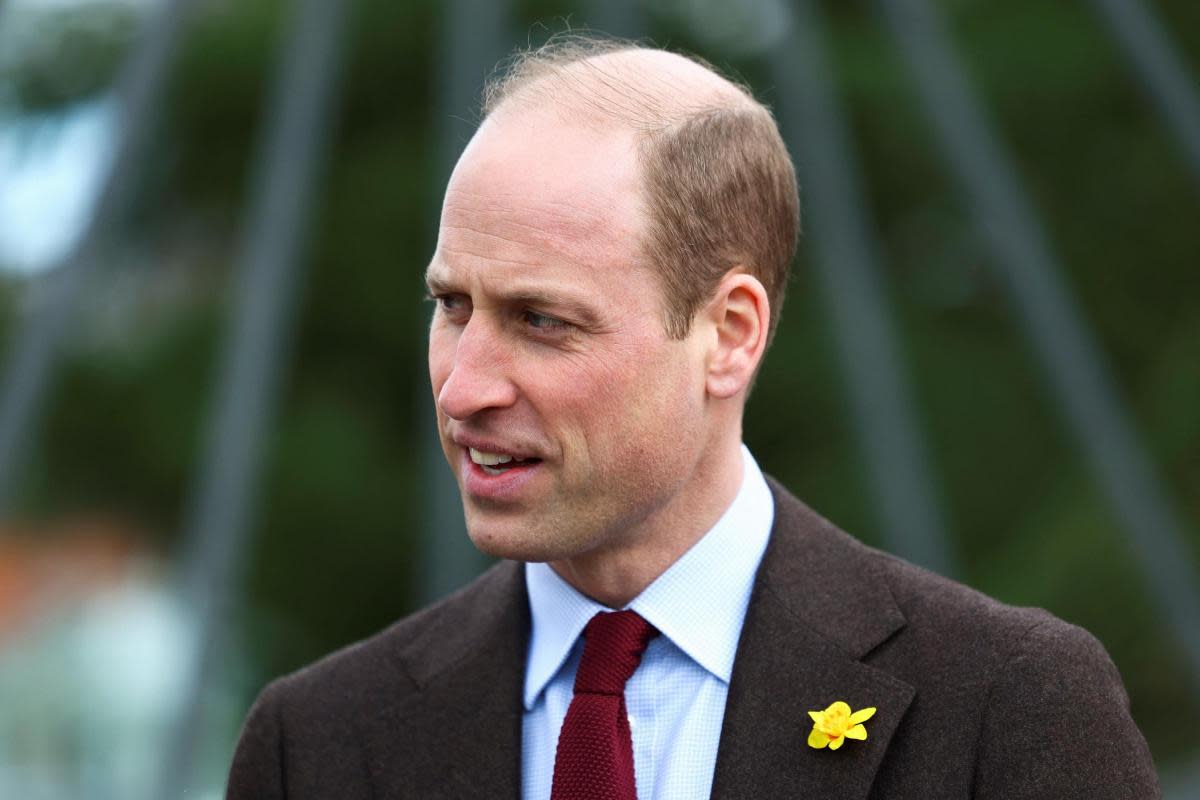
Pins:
x,y
819,606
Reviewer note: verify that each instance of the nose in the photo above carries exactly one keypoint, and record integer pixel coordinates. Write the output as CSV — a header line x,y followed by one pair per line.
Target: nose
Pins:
x,y
479,376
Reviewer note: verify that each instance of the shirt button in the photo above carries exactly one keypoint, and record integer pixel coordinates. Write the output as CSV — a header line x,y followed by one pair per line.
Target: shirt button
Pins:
x,y
632,722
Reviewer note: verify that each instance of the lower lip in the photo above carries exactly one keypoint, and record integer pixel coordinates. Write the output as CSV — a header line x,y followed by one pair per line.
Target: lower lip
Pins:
x,y
507,486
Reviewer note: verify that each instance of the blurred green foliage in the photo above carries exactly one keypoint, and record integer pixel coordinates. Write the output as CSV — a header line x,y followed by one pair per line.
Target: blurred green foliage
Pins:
x,y
335,551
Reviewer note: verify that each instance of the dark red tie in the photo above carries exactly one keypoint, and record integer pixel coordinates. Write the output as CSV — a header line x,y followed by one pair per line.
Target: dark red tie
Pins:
x,y
594,760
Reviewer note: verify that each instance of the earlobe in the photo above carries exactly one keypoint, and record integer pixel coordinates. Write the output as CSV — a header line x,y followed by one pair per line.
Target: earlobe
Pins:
x,y
740,313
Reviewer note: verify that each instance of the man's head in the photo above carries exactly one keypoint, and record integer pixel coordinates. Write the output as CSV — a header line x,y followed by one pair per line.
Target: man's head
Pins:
x,y
604,299
717,182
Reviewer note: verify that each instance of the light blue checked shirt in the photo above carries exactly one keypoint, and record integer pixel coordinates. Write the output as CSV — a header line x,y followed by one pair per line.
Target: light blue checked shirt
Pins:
x,y
676,699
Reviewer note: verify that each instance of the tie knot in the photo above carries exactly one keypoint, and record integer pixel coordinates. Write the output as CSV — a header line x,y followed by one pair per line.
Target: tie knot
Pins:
x,y
613,643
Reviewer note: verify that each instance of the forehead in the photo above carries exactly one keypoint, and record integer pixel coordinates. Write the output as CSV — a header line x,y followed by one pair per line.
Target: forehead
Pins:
x,y
533,188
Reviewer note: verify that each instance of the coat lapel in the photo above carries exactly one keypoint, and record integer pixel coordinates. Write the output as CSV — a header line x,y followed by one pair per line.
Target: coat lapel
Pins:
x,y
818,607
459,734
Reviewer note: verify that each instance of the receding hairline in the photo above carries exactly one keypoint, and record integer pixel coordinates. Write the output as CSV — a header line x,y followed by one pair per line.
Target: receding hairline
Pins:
x,y
643,88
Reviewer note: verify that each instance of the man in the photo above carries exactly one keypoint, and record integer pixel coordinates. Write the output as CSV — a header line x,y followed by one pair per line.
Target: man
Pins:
x,y
666,622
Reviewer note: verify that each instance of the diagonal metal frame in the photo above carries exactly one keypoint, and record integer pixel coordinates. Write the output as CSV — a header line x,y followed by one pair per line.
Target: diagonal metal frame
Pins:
x,y
1161,70
295,135
1071,359
848,266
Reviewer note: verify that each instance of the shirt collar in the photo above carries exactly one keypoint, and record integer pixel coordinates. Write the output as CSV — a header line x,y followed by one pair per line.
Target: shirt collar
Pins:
x,y
699,603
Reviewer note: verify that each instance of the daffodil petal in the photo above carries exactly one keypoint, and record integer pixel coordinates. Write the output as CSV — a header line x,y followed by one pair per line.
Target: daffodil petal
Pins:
x,y
817,739
838,707
817,716
834,744
857,732
862,715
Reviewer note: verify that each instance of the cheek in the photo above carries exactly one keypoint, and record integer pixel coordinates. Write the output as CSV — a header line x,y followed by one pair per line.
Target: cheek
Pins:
x,y
441,356
592,384
619,401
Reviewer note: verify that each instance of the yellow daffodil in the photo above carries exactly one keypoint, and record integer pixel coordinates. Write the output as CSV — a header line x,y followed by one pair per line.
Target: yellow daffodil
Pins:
x,y
836,724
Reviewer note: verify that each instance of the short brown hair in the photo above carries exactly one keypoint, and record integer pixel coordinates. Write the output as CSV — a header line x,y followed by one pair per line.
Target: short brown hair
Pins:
x,y
720,186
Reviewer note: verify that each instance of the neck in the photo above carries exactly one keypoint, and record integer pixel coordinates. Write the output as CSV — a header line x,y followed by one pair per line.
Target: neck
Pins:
x,y
616,575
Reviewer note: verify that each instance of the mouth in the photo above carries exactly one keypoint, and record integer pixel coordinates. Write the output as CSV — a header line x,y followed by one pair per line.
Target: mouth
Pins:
x,y
499,463
499,479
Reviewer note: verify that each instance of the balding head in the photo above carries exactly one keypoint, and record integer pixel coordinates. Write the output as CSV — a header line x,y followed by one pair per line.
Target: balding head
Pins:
x,y
606,82
717,184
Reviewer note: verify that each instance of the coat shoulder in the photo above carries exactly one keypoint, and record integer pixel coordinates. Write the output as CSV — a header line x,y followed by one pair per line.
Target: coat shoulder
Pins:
x,y
964,615
937,616
332,728
1041,696
418,646
1009,701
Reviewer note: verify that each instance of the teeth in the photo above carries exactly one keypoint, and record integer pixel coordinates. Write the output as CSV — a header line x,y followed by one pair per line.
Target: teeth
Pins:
x,y
489,459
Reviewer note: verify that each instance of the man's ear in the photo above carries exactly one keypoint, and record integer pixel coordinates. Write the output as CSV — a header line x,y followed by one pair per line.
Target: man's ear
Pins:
x,y
740,314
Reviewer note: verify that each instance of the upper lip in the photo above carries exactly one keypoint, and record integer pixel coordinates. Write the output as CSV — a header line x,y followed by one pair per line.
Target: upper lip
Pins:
x,y
490,446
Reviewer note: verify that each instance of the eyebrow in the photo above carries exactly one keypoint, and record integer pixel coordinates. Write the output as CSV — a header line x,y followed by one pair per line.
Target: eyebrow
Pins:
x,y
433,282
579,310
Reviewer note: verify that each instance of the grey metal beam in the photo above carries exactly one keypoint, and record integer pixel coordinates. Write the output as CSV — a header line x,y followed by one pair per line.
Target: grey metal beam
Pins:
x,y
473,40
848,265
1161,69
1072,361
34,349
295,133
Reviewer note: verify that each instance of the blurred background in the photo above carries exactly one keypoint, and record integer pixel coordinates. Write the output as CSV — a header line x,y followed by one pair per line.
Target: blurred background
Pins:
x,y
217,459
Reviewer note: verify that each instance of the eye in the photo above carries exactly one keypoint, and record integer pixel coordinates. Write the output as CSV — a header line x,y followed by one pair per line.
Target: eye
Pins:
x,y
542,322
452,304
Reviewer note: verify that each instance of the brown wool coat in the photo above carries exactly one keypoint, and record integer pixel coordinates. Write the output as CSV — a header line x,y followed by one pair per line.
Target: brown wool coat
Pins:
x,y
975,699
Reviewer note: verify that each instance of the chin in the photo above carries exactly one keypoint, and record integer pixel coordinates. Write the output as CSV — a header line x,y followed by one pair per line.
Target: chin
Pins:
x,y
522,545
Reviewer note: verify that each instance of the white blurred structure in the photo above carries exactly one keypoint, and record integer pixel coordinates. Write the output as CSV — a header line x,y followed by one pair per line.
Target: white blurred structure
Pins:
x,y
50,170
93,657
